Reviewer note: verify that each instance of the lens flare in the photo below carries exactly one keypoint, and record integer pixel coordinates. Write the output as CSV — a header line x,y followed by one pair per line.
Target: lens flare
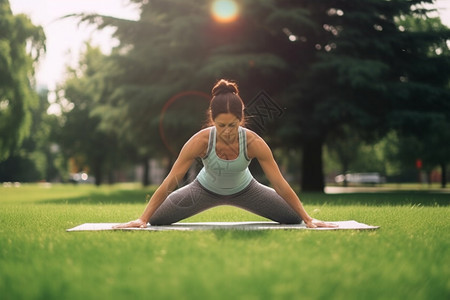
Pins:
x,y
225,11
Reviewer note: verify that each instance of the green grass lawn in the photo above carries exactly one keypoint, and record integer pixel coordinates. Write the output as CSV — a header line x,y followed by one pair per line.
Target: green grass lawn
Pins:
x,y
407,258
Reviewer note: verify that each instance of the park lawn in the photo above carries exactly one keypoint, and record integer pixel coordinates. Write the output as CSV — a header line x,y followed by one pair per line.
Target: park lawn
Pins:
x,y
407,258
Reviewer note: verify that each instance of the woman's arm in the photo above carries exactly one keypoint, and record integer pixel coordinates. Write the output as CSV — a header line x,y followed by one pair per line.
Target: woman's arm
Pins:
x,y
193,148
258,148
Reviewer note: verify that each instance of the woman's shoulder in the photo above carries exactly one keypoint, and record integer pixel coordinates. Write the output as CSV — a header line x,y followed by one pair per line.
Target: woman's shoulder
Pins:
x,y
203,134
251,135
255,143
199,142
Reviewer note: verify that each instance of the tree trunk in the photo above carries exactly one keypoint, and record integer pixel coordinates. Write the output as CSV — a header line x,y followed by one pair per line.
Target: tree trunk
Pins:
x,y
429,177
345,165
444,175
312,169
97,169
145,176
111,179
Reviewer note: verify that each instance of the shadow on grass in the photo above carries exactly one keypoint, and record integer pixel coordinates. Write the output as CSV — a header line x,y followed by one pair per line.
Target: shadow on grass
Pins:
x,y
394,198
112,197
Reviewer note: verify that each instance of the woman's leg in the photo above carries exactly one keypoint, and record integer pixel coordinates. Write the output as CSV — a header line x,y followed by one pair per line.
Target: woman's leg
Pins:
x,y
183,203
264,201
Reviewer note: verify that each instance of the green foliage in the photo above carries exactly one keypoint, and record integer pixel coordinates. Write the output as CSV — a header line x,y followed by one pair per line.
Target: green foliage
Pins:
x,y
344,146
405,259
348,153
91,147
37,158
431,148
21,45
328,63
424,134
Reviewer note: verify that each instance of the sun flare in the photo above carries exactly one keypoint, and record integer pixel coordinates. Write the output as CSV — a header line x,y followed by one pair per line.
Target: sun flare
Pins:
x,y
225,11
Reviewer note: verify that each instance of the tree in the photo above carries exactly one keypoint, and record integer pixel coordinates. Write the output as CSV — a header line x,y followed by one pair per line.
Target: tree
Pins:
x,y
153,75
329,63
419,111
345,145
36,159
430,148
21,46
90,146
183,53
429,83
356,74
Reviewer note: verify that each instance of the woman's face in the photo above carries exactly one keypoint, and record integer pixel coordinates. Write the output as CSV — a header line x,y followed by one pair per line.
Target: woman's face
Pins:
x,y
227,126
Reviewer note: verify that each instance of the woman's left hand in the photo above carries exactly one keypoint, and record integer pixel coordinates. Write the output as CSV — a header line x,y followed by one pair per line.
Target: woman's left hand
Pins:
x,y
313,223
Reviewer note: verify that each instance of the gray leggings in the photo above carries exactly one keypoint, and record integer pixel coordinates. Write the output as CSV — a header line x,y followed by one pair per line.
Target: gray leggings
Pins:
x,y
194,198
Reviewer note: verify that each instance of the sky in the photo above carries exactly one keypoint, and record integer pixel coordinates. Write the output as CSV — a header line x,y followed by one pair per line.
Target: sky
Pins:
x,y
66,39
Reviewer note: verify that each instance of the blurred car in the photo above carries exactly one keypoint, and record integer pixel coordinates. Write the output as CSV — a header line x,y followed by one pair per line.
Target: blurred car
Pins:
x,y
362,178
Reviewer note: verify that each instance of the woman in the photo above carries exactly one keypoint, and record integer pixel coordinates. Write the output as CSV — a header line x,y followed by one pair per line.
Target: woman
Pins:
x,y
226,149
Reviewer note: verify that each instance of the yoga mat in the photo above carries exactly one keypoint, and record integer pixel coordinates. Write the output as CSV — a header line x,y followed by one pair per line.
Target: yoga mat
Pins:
x,y
261,225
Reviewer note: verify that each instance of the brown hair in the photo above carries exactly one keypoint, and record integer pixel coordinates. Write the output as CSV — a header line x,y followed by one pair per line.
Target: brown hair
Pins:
x,y
225,99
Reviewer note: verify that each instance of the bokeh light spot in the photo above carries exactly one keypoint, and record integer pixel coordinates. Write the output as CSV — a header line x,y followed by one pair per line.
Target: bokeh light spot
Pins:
x,y
225,11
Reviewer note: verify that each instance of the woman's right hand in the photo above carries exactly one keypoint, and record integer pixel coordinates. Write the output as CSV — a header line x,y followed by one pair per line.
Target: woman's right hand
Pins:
x,y
132,224
313,223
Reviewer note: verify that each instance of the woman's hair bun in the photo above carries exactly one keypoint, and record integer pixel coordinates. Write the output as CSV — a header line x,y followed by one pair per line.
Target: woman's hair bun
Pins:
x,y
224,86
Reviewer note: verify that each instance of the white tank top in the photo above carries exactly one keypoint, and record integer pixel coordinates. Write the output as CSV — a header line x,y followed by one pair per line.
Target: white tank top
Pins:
x,y
221,176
